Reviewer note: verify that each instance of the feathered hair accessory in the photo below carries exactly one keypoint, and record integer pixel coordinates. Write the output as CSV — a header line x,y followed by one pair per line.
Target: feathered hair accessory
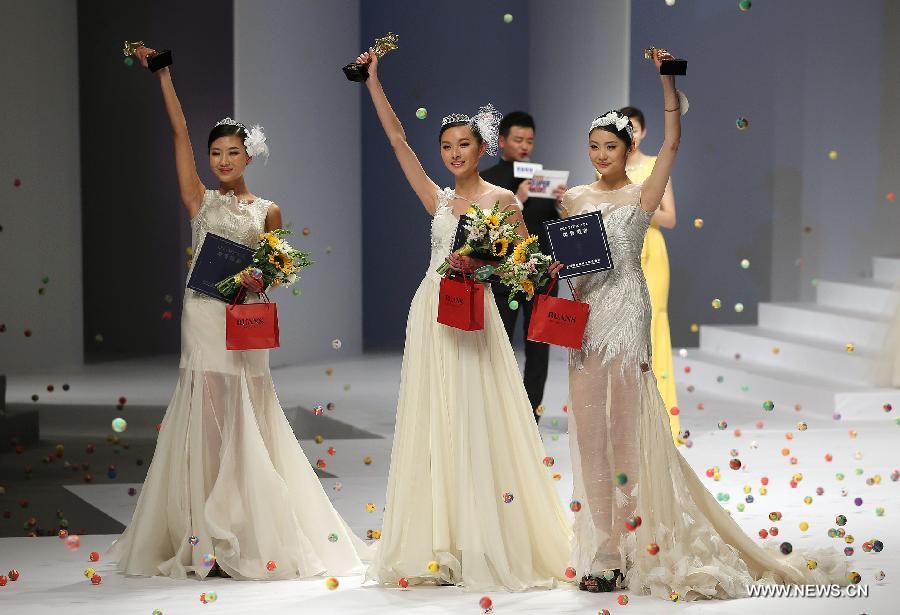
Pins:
x,y
620,121
486,122
255,142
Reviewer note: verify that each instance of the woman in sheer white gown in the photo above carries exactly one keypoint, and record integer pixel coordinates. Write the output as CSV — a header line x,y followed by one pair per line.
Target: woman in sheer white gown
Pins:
x,y
627,471
229,488
465,433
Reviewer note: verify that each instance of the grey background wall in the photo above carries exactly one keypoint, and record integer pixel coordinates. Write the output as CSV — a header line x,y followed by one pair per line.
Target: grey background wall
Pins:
x,y
135,229
287,77
809,78
41,218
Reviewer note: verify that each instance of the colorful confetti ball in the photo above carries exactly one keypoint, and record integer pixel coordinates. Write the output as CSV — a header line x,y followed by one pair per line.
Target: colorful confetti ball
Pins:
x,y
317,410
271,565
89,572
745,263
674,596
96,579
331,451
570,573
723,425
27,332
193,540
653,548
694,327
13,575
622,599
698,223
433,566
507,18
508,497
854,577
801,426
514,305
367,460
421,113
73,542
306,232
549,461
403,582
832,155
808,500
575,506
877,546
373,534
296,292
319,439
879,511
738,307
786,548
716,303
768,405
370,507
211,596
745,5
633,523
840,520
775,516
763,533
734,464
129,61
849,347
320,464
94,556
485,602
119,425
891,197
208,560
741,123
98,339
621,478
332,537
740,507
887,407
336,344
858,501
879,576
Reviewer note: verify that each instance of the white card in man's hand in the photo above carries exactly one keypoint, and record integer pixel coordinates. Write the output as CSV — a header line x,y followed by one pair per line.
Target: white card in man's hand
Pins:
x,y
545,182
525,170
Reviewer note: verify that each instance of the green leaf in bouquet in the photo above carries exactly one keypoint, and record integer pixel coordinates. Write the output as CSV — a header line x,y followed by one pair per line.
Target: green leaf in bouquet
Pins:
x,y
484,272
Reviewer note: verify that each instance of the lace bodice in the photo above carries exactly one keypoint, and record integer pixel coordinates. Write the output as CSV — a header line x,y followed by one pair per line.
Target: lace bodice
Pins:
x,y
619,320
443,230
225,215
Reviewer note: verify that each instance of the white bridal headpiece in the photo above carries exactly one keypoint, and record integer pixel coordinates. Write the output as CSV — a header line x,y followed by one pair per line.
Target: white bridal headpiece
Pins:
x,y
256,138
486,121
614,117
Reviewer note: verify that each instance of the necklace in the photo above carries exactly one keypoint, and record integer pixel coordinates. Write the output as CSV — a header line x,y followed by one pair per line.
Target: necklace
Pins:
x,y
468,200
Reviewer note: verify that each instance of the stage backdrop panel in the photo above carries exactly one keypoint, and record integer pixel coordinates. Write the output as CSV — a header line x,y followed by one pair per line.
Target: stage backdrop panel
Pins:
x,y
40,217
135,229
288,58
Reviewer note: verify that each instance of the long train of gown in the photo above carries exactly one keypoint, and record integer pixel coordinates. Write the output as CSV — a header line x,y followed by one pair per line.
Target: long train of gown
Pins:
x,y
625,463
227,468
465,435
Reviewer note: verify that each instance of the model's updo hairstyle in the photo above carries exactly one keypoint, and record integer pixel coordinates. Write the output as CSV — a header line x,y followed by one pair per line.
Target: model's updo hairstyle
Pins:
x,y
475,132
609,120
226,130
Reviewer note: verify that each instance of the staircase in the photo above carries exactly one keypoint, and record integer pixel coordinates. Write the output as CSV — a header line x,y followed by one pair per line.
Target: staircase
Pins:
x,y
799,353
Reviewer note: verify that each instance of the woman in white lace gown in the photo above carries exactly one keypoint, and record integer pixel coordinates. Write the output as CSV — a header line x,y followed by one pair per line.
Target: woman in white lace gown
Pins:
x,y
229,488
465,433
627,470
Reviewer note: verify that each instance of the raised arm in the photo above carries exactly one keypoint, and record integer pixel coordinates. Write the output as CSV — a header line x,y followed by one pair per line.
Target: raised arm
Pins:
x,y
665,215
425,189
189,183
655,185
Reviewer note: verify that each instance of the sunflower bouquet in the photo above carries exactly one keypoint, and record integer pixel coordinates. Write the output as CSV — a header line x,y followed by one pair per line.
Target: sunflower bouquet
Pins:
x,y
525,269
275,263
488,235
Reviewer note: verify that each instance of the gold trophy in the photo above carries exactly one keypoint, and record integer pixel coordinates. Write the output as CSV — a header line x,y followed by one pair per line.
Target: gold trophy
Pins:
x,y
158,60
360,72
667,67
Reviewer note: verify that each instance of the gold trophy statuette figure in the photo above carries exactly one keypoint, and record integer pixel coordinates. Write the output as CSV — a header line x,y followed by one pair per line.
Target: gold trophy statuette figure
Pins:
x,y
360,72
671,66
155,62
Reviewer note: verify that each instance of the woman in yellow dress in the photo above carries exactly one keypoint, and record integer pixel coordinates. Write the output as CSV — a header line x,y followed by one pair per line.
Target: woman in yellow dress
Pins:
x,y
655,263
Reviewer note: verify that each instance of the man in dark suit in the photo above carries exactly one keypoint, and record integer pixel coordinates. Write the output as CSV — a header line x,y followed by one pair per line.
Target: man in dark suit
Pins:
x,y
516,143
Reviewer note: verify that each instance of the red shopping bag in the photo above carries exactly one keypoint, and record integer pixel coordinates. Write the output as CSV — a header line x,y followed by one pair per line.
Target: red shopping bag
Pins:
x,y
251,326
558,321
461,304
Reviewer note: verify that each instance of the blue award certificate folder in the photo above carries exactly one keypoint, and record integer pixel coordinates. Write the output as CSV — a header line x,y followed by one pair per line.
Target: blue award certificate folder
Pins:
x,y
218,259
579,243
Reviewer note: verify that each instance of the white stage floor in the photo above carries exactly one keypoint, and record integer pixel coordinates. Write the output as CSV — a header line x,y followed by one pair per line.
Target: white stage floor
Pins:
x,y
52,579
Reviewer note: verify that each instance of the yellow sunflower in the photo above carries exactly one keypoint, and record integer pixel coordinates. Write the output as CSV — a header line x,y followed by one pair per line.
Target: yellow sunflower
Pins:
x,y
519,255
500,247
272,239
528,287
493,221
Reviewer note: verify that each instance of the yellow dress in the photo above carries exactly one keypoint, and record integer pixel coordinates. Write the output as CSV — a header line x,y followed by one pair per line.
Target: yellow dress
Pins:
x,y
655,263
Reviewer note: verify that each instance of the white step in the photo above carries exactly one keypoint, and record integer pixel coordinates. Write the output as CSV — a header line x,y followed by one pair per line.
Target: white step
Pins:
x,y
815,394
886,269
867,296
825,323
795,353
869,405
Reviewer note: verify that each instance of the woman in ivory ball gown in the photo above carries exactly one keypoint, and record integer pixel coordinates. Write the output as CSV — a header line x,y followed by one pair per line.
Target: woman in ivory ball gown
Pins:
x,y
469,501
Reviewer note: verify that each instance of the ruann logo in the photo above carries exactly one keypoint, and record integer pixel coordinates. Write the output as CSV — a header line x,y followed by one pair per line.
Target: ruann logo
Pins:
x,y
251,322
562,317
452,299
